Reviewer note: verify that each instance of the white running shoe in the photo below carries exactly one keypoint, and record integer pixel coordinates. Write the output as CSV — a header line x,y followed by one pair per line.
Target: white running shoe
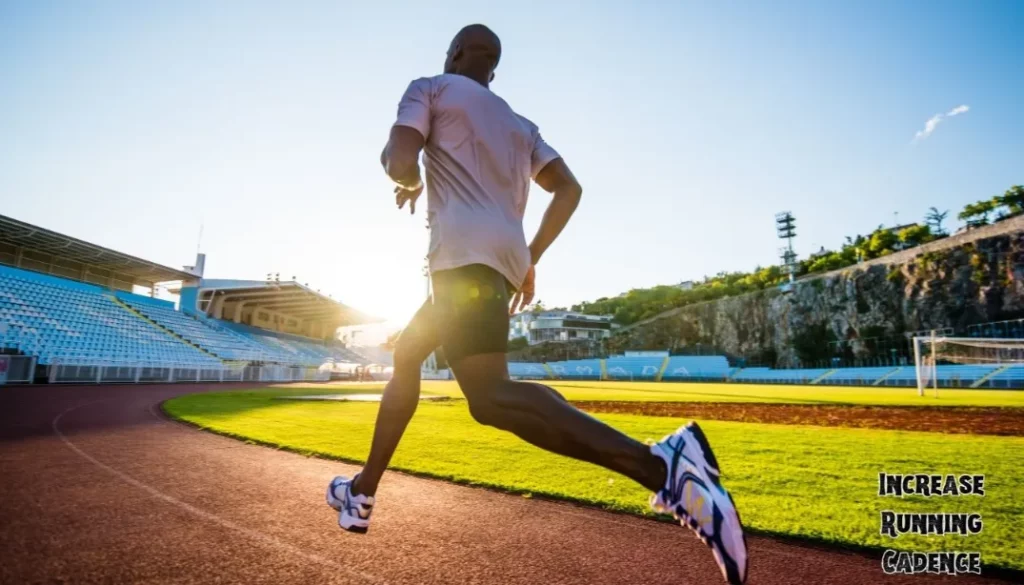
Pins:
x,y
695,496
353,511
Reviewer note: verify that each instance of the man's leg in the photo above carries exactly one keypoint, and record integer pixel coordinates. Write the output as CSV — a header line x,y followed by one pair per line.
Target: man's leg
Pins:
x,y
400,398
472,302
541,416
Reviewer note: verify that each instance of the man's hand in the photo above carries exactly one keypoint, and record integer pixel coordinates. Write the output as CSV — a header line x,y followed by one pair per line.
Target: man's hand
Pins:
x,y
524,296
411,195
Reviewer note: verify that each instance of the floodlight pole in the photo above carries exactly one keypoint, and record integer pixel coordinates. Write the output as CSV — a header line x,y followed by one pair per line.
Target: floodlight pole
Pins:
x,y
785,227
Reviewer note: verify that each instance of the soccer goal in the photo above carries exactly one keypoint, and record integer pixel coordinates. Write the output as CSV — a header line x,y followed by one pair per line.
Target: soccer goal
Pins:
x,y
987,354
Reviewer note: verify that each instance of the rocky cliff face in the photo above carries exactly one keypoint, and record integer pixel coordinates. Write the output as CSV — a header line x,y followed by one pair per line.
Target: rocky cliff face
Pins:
x,y
855,313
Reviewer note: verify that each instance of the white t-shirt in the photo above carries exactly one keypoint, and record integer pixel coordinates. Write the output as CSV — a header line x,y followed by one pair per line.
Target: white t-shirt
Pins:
x,y
480,157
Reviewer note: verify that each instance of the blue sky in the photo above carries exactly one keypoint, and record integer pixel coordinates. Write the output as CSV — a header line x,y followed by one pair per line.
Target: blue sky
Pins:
x,y
689,124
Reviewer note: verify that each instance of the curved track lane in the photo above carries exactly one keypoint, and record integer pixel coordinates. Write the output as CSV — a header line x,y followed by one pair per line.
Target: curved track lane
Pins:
x,y
99,488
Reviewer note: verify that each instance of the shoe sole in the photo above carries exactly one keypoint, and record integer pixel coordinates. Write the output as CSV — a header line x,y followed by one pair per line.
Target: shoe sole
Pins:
x,y
709,457
354,529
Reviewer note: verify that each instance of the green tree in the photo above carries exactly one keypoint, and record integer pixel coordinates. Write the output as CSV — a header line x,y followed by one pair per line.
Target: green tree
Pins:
x,y
1013,200
934,220
976,214
915,235
517,344
882,242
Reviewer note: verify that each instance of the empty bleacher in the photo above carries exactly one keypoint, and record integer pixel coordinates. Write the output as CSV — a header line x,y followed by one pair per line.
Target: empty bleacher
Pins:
x,y
949,376
577,369
633,368
73,323
217,341
866,376
767,375
527,371
713,367
1011,377
288,348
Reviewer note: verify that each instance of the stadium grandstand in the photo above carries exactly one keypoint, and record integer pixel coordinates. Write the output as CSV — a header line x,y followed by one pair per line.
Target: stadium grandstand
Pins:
x,y
73,311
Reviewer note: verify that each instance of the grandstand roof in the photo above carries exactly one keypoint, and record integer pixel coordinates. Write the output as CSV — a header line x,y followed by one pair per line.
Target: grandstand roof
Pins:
x,y
287,298
38,240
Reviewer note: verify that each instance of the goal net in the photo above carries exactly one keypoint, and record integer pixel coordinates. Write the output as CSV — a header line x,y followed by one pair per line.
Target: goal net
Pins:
x,y
987,355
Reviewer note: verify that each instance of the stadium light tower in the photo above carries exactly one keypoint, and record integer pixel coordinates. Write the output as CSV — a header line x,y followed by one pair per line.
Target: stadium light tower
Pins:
x,y
785,226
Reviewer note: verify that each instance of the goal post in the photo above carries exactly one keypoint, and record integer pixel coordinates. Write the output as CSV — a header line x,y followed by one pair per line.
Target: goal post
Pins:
x,y
932,350
924,362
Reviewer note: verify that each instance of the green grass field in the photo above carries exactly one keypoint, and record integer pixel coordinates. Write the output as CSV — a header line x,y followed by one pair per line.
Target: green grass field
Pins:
x,y
812,482
689,392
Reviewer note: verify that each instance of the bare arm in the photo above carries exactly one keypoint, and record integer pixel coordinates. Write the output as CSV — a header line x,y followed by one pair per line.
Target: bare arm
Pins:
x,y
401,157
557,179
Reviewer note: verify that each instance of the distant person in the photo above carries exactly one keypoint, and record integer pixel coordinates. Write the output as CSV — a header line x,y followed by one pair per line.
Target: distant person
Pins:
x,y
480,156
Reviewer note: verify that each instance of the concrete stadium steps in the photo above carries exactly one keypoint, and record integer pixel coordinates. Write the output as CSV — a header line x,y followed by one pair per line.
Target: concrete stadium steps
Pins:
x,y
1010,377
214,341
287,348
159,325
823,376
796,376
949,376
990,375
661,371
885,377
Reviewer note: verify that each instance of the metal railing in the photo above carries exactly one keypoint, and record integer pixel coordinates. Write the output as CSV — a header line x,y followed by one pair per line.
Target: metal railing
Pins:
x,y
17,369
1012,329
99,373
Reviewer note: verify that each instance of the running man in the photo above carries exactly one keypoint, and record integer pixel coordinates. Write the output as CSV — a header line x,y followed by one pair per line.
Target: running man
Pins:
x,y
480,157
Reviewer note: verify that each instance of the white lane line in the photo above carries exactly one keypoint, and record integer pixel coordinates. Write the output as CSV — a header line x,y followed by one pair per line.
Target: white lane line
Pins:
x,y
253,534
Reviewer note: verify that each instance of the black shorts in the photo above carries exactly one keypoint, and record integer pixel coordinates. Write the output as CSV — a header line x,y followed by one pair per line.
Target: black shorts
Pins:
x,y
468,312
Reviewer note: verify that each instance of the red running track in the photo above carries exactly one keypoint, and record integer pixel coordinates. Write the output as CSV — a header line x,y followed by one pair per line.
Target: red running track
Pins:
x,y
98,487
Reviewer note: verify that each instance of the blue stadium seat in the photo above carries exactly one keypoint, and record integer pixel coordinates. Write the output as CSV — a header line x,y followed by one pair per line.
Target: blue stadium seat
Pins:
x,y
767,375
218,341
286,348
633,368
73,323
527,370
714,367
577,369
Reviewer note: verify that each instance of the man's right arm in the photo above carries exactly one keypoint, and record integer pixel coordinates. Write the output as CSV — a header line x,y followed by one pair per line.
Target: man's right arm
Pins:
x,y
557,179
400,157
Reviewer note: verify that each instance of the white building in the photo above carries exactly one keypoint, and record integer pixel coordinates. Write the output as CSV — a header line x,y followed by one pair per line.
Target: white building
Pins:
x,y
559,326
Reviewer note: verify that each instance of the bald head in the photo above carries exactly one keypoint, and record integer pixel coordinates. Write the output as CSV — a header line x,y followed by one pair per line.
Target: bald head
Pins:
x,y
474,52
